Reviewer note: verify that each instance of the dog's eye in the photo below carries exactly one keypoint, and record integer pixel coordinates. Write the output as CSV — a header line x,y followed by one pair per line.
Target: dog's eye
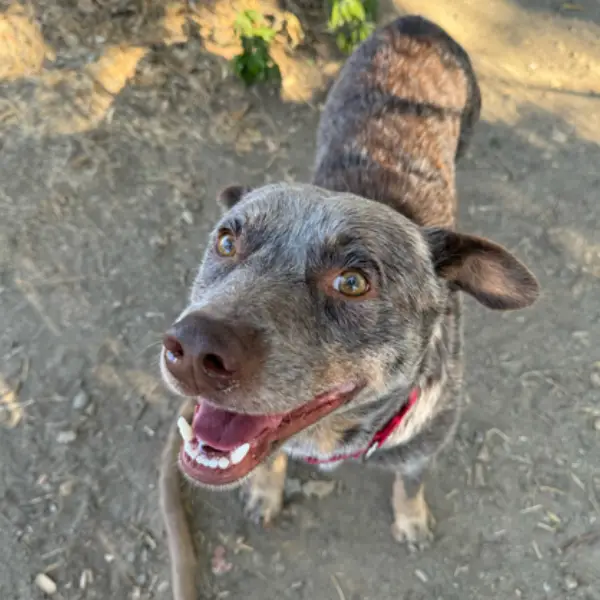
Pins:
x,y
226,244
351,283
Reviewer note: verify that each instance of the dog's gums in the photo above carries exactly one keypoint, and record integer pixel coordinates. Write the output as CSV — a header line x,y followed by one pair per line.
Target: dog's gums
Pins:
x,y
220,447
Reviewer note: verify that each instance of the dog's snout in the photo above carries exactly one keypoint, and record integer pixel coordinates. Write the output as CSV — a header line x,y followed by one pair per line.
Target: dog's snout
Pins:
x,y
208,353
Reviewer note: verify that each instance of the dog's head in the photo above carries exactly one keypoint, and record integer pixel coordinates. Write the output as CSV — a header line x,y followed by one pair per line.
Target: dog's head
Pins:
x,y
307,301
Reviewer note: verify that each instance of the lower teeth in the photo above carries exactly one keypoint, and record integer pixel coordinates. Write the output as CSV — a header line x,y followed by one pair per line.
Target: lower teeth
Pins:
x,y
205,461
235,458
195,452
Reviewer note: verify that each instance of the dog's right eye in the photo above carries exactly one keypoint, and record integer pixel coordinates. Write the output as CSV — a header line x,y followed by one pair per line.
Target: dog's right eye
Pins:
x,y
351,283
226,246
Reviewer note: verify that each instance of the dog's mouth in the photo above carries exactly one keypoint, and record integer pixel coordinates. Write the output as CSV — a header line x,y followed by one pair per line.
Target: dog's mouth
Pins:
x,y
222,447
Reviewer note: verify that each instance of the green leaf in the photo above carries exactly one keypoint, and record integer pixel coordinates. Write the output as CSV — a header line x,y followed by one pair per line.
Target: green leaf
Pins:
x,y
357,10
335,19
345,11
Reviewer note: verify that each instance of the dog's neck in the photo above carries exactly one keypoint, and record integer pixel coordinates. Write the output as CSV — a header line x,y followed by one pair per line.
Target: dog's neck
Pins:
x,y
426,197
350,433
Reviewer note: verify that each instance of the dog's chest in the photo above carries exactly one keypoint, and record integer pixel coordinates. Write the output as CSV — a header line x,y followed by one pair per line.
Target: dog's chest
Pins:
x,y
323,439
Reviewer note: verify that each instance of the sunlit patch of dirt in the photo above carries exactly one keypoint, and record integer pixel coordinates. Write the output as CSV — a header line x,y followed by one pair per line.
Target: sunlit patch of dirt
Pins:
x,y
22,47
74,100
300,79
68,101
523,56
11,411
174,24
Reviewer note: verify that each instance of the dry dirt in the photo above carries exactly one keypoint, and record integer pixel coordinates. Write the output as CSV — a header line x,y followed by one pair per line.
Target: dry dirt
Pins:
x,y
118,127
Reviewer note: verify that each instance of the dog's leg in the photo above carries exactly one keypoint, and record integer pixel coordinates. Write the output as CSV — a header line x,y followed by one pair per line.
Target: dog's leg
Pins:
x,y
412,520
263,493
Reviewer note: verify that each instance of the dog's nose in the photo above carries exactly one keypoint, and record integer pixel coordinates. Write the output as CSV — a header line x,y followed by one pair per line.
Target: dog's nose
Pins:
x,y
202,351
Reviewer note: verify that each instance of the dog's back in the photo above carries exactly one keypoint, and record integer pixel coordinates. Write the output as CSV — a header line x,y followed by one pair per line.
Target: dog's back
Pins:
x,y
396,120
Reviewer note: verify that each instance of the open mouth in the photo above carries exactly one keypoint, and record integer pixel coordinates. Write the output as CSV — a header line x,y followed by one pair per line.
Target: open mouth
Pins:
x,y
222,447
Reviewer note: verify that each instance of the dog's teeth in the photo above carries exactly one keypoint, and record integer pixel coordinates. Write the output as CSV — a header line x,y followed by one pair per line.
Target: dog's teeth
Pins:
x,y
238,455
185,429
202,460
223,462
213,463
190,450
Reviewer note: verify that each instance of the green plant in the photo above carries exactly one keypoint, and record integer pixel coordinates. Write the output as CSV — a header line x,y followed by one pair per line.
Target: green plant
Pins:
x,y
351,21
255,63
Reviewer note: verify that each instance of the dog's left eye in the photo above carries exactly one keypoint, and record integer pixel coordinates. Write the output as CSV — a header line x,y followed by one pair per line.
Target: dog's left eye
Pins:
x,y
351,283
226,244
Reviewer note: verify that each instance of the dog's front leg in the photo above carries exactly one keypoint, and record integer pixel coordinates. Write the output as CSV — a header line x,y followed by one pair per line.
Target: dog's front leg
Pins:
x,y
263,492
412,520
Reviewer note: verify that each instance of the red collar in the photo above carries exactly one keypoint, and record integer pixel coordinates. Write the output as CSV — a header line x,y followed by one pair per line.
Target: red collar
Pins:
x,y
378,439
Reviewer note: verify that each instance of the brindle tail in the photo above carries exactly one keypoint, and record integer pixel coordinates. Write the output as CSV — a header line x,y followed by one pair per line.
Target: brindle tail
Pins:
x,y
416,26
179,538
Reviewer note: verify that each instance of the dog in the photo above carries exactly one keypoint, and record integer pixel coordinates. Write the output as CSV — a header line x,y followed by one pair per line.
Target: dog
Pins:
x,y
324,323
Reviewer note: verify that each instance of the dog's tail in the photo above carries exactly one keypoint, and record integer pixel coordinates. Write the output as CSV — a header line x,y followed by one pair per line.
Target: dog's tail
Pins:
x,y
179,538
415,26
472,109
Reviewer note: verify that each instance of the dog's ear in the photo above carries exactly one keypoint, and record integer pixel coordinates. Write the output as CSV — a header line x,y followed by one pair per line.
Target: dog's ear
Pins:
x,y
486,271
231,195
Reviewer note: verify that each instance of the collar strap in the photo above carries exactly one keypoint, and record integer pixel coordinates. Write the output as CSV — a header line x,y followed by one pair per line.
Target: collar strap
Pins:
x,y
378,439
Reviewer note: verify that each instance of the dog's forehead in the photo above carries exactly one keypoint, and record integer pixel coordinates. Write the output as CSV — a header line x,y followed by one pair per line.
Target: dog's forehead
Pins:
x,y
314,215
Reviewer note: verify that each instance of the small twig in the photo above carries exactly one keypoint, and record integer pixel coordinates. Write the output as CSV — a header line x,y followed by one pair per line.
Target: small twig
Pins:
x,y
498,432
338,588
589,538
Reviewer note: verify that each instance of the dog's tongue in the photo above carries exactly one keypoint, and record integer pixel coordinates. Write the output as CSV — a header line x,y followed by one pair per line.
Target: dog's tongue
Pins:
x,y
224,430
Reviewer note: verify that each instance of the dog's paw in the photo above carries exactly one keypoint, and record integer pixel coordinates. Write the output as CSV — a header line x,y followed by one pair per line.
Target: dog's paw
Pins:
x,y
416,531
261,504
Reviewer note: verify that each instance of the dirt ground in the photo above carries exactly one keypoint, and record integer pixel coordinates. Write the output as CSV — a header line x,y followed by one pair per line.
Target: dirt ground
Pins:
x,y
118,128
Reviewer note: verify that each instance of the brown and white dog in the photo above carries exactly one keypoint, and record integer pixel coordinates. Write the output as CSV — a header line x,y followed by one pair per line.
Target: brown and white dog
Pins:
x,y
325,320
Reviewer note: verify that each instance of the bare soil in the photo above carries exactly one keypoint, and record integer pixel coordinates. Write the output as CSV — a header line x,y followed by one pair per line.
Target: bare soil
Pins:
x,y
108,175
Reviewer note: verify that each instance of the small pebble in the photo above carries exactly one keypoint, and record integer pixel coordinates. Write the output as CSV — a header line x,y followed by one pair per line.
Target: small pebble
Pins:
x,y
187,216
559,136
597,424
45,584
66,437
66,488
81,400
85,579
320,489
595,379
421,576
571,583
219,565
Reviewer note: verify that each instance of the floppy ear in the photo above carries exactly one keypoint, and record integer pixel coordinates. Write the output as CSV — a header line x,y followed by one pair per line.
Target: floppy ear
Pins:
x,y
231,195
486,271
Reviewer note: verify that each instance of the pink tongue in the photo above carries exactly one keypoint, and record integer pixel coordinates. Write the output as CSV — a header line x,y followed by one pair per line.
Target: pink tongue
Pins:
x,y
224,430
